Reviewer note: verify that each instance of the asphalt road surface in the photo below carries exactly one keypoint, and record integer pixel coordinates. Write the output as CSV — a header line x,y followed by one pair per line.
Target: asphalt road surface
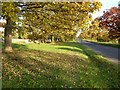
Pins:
x,y
110,53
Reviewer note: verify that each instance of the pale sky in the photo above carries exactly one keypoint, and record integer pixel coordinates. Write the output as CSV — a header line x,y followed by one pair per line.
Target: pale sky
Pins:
x,y
106,4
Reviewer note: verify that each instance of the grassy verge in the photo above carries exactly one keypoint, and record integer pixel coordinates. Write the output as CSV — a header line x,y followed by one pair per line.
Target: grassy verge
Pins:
x,y
109,44
60,65
105,43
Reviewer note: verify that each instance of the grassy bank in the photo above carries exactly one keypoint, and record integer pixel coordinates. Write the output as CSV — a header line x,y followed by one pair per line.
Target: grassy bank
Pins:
x,y
65,65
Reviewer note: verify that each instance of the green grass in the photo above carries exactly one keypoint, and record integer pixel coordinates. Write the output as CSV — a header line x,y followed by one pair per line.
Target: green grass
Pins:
x,y
59,65
0,45
116,45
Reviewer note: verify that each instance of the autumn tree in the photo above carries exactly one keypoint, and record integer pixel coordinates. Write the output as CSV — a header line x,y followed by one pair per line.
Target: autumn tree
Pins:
x,y
111,21
60,18
9,13
46,18
93,31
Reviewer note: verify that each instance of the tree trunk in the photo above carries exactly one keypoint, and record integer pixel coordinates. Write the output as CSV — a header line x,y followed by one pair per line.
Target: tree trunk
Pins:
x,y
8,37
52,39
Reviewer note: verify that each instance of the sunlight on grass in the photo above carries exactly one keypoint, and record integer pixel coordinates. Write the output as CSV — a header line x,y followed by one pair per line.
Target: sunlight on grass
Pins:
x,y
58,49
64,65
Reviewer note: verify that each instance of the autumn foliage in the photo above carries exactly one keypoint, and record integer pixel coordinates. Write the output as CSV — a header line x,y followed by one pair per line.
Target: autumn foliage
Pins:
x,y
111,21
2,24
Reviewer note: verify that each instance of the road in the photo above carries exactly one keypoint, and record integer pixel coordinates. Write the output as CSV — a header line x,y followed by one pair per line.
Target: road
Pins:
x,y
106,51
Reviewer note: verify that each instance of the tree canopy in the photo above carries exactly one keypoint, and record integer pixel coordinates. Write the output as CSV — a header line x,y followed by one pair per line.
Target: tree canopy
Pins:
x,y
59,18
111,21
43,19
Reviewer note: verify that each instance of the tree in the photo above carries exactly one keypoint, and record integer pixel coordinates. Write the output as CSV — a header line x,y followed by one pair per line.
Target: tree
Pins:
x,y
111,21
9,12
48,17
95,32
60,19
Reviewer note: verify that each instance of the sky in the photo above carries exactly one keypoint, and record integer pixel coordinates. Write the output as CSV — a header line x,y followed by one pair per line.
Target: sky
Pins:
x,y
106,4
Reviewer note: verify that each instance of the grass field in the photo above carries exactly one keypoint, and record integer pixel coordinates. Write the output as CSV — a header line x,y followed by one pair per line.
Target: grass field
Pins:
x,y
62,65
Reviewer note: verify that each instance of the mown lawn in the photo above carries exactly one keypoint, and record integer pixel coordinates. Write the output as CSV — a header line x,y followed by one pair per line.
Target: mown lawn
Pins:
x,y
63,65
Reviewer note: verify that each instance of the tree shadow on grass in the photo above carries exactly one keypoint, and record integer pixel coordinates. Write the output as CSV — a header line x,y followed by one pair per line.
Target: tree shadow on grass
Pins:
x,y
71,44
106,71
72,49
36,68
85,50
19,46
